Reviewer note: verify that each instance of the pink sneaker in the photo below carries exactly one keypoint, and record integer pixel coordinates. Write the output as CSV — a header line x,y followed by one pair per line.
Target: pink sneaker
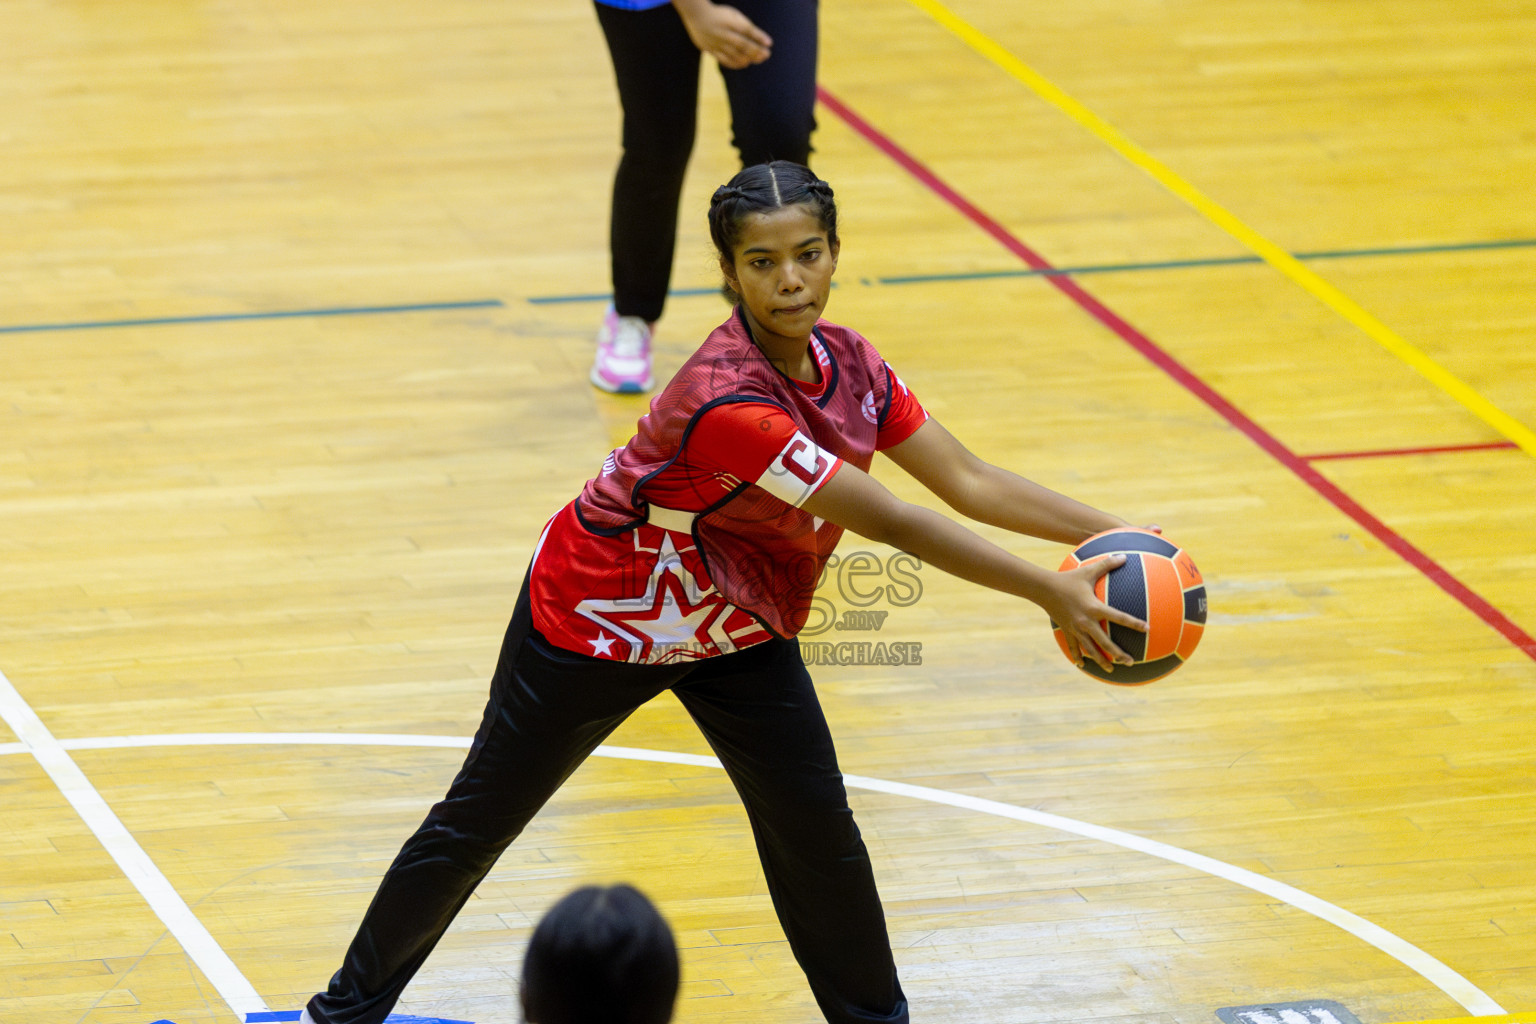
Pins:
x,y
623,363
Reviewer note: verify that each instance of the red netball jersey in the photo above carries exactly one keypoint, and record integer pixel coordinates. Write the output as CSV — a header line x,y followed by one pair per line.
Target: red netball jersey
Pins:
x,y
691,542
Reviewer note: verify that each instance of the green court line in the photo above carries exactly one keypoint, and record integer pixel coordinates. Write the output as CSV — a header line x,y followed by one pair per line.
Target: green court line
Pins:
x,y
281,314
1107,268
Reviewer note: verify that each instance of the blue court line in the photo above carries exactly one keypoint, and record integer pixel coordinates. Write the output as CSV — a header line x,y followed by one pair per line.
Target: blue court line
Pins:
x,y
282,314
978,275
1110,268
675,293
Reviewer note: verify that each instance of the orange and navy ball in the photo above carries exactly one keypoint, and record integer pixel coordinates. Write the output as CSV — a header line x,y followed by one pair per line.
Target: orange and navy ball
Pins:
x,y
1158,584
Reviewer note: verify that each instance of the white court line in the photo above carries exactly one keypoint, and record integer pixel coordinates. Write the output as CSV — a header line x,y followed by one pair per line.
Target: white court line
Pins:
x,y
1432,970
236,739
1436,973
119,843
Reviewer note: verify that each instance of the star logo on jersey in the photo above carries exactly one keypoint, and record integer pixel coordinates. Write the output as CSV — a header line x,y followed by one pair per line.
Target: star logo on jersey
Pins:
x,y
867,407
674,620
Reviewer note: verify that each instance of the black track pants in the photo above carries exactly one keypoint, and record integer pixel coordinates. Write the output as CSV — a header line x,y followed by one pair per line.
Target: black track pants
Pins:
x,y
548,710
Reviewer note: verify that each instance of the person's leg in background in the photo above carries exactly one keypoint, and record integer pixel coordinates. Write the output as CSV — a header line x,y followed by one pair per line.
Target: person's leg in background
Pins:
x,y
656,68
773,104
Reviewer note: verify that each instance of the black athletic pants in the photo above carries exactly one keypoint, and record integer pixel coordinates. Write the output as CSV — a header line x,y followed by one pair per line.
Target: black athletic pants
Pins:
x,y
657,69
548,710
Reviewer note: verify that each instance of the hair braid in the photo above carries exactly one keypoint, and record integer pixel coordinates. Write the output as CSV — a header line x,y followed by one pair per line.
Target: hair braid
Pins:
x,y
762,188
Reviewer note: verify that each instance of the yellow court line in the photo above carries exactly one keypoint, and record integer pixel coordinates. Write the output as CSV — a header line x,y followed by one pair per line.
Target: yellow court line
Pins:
x,y
1269,252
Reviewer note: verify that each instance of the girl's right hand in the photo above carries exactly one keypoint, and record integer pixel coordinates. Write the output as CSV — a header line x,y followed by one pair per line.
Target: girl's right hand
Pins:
x,y
1075,608
724,33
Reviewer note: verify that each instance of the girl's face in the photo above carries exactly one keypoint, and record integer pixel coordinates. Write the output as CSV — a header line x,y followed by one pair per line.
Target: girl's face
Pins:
x,y
782,269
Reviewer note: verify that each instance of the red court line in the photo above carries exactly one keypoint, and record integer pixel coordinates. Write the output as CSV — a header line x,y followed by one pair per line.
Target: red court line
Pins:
x,y
1432,450
1187,379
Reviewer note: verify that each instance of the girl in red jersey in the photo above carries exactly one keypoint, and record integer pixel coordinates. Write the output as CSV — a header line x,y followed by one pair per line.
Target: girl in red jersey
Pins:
x,y
688,564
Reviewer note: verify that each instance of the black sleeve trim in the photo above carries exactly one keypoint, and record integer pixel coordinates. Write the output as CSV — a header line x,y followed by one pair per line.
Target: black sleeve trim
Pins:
x,y
833,377
890,389
604,531
693,421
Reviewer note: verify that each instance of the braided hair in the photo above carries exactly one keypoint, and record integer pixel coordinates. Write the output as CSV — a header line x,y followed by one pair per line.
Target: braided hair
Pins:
x,y
762,188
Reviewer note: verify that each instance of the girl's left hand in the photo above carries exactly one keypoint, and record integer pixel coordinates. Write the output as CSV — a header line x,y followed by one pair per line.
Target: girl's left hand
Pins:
x,y
1081,615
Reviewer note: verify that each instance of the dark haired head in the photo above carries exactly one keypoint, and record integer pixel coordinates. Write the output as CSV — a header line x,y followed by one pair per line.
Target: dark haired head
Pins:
x,y
600,956
763,188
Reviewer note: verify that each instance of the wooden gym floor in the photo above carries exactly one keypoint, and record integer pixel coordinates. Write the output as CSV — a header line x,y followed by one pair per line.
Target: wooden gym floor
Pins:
x,y
296,306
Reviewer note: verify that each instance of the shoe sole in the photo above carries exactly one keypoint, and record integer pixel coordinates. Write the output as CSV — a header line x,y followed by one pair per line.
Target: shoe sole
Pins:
x,y
627,388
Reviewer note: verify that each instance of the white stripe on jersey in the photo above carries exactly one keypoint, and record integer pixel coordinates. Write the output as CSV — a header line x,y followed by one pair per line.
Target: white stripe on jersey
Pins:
x,y
798,471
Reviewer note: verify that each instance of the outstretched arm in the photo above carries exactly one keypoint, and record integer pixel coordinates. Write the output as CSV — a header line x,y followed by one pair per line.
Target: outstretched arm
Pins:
x,y
856,501
990,494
